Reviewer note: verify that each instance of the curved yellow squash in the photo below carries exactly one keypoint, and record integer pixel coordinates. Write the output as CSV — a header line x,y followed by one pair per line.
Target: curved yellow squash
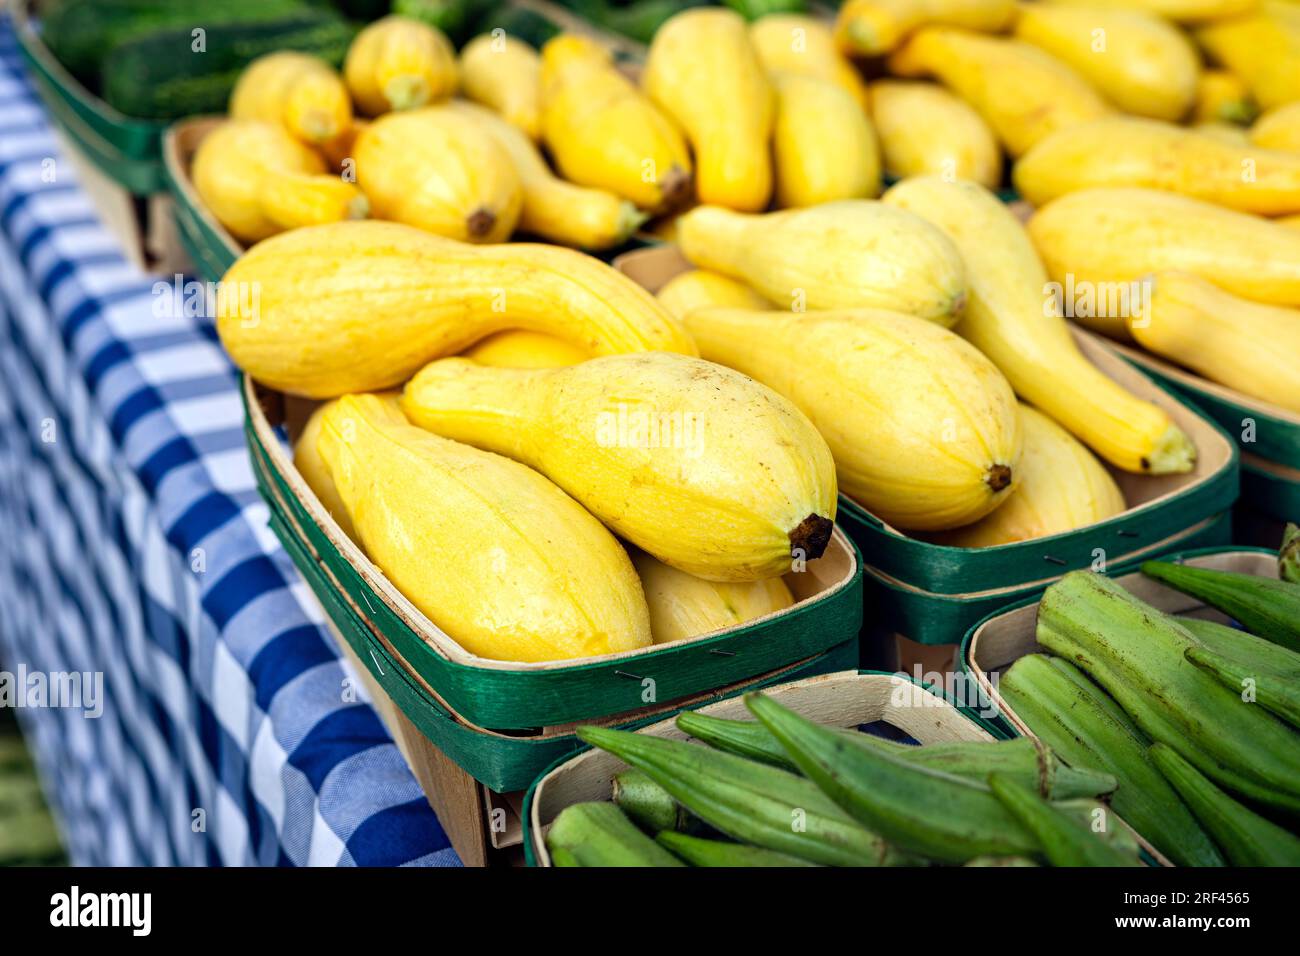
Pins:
x,y
1062,487
397,63
793,43
554,209
841,255
301,312
873,27
699,289
823,145
924,129
1102,236
1181,11
703,71
1245,345
923,427
682,605
603,132
436,169
1263,49
502,561
1139,61
704,468
1279,128
258,180
1222,97
505,75
1127,151
1014,319
301,92
1023,93
519,348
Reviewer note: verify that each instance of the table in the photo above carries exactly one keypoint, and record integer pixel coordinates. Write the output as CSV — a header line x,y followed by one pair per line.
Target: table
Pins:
x,y
133,545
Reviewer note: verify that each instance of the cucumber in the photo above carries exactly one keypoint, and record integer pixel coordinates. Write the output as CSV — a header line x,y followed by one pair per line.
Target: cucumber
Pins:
x,y
523,24
698,851
1064,840
1267,608
598,834
638,20
1288,557
159,76
81,33
754,9
458,19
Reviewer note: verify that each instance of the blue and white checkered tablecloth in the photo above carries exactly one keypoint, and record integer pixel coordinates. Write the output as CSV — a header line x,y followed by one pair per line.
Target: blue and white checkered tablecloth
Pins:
x,y
133,543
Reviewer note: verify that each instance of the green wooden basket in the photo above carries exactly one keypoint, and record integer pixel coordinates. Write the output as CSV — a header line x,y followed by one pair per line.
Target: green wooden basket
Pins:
x,y
127,150
1270,488
513,696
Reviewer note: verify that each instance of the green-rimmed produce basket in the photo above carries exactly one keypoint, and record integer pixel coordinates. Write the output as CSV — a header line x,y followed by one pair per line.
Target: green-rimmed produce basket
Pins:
x,y
1001,638
127,150
505,695
1270,487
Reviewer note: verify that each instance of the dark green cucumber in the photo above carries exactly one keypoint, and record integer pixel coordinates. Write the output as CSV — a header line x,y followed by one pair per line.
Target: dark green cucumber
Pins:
x,y
1288,556
639,20
1078,721
521,23
598,834
754,9
937,815
1024,758
750,802
161,76
1064,841
698,851
1277,695
1247,839
458,19
1267,608
648,803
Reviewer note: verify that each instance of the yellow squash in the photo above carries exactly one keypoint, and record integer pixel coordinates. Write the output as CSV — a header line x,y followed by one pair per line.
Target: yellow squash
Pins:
x,y
1263,49
703,71
301,92
519,348
699,289
873,27
258,180
338,151
603,132
1290,221
360,306
823,145
502,561
1181,11
1062,486
554,209
1222,97
1279,128
1107,236
1023,93
311,466
397,63
849,254
704,468
437,169
1245,345
794,43
923,427
682,605
1229,133
1140,62
505,75
925,129
1127,151
1014,318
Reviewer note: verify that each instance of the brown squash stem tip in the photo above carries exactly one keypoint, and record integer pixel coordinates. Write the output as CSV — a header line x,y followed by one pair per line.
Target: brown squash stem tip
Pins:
x,y
676,188
811,536
998,477
480,222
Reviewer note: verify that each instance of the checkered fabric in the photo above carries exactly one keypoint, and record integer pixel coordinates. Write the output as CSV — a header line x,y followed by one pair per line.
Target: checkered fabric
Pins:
x,y
133,543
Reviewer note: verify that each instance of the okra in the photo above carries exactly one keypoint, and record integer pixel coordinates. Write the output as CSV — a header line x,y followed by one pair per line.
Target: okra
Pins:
x,y
1000,861
1247,838
1278,695
1288,556
698,851
1104,822
1077,720
748,801
938,815
1247,649
1267,608
1064,841
1024,758
599,834
1137,655
648,803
